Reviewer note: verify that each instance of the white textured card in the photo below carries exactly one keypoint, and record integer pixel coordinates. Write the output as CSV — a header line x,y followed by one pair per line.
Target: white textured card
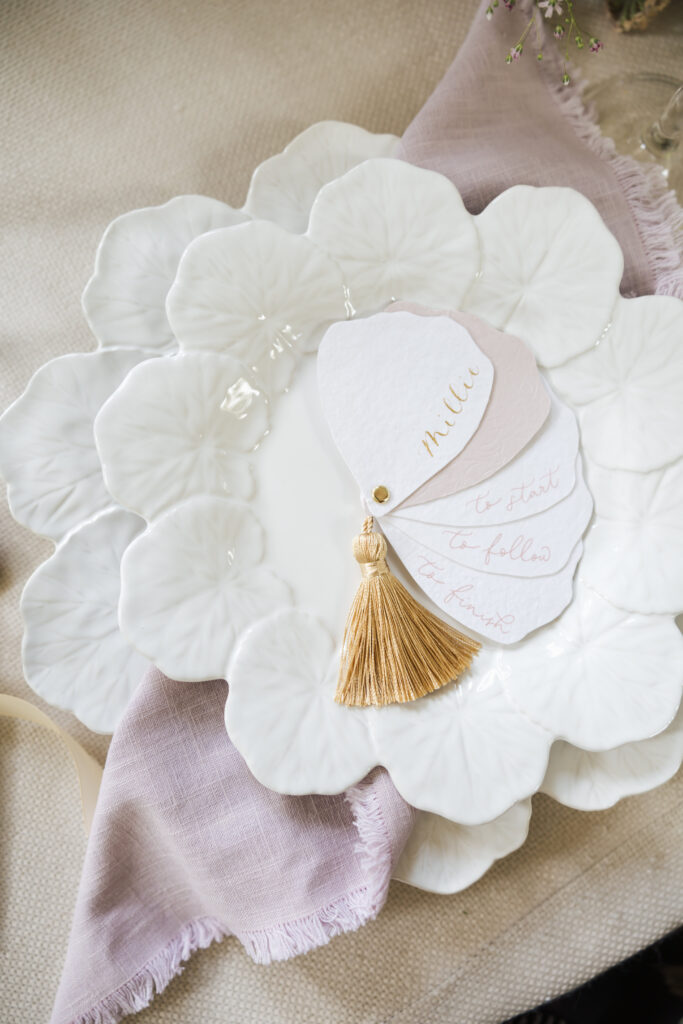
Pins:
x,y
518,409
501,608
402,394
536,546
540,476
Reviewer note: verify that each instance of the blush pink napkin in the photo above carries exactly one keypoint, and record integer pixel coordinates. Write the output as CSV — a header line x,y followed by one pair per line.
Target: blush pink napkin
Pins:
x,y
489,125
186,846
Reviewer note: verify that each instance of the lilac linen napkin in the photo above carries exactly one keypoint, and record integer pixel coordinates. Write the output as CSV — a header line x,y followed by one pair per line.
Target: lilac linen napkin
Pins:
x,y
490,125
187,847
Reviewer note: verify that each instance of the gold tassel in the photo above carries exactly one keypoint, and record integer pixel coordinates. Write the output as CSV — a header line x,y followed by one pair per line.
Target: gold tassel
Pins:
x,y
394,650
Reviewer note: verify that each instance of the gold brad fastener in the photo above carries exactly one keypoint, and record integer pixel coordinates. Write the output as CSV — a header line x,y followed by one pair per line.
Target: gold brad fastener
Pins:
x,y
381,494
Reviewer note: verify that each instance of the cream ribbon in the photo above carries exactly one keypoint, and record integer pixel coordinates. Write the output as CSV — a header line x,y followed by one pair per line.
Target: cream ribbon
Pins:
x,y
89,771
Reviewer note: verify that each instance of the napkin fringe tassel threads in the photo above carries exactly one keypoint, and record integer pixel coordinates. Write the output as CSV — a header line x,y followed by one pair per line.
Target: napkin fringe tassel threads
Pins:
x,y
394,650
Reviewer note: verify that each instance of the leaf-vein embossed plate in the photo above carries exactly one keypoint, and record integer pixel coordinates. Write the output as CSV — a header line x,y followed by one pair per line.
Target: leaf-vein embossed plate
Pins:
x,y
452,854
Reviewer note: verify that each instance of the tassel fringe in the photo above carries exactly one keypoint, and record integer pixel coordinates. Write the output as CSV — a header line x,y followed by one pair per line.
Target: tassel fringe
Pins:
x,y
394,650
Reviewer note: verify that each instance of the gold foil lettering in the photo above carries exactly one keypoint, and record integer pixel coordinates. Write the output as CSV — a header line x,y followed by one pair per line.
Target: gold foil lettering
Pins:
x,y
431,440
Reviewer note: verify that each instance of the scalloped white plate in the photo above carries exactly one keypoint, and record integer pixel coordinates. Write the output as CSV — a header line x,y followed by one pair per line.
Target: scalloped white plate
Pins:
x,y
328,151
74,655
441,856
374,236
47,449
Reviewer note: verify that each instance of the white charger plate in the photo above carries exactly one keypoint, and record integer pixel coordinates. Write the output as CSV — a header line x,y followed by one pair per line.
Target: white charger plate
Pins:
x,y
163,254
269,615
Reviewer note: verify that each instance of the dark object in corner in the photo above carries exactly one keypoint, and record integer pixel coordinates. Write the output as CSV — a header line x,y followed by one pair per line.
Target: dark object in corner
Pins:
x,y
646,989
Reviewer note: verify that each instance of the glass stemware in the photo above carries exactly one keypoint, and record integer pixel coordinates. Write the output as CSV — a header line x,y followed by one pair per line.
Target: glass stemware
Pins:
x,y
643,114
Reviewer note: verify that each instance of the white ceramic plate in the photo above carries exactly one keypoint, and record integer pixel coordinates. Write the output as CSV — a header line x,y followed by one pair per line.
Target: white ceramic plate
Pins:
x,y
73,651
441,856
262,295
47,451
334,143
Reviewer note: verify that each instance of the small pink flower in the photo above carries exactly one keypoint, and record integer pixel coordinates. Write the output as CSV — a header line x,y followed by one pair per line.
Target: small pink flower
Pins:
x,y
558,31
551,7
596,45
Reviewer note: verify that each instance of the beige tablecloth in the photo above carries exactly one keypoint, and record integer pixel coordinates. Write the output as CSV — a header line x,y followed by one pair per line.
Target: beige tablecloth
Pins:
x,y
113,105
